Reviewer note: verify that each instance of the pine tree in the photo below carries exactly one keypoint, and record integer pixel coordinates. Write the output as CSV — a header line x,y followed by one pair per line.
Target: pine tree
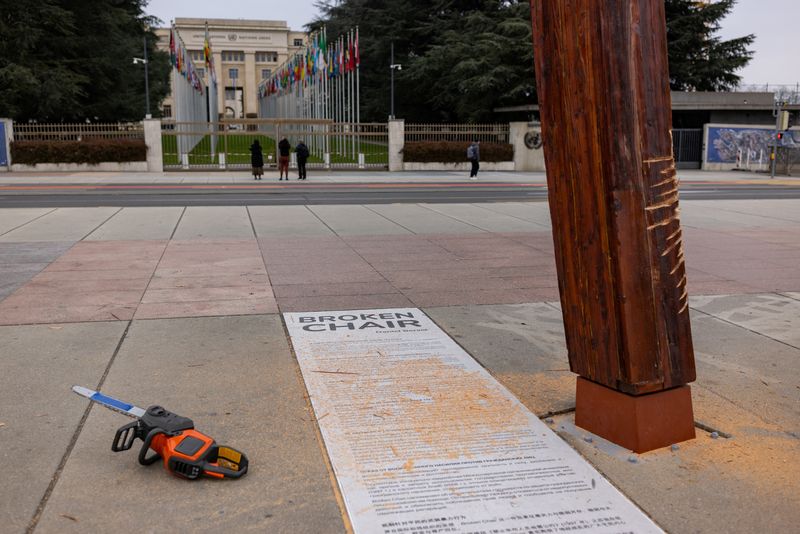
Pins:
x,y
698,59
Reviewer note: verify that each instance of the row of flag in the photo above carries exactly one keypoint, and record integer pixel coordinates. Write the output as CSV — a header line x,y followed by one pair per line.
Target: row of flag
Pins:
x,y
181,60
319,60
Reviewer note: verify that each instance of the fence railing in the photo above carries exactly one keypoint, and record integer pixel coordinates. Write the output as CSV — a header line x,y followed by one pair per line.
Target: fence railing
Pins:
x,y
226,144
783,92
77,131
493,133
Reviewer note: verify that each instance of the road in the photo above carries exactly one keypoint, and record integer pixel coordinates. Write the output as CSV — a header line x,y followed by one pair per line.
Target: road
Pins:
x,y
91,195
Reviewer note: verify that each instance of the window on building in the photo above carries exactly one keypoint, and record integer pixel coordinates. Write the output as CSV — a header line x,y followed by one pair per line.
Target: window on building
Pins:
x,y
197,55
298,42
233,73
233,56
166,112
265,73
266,57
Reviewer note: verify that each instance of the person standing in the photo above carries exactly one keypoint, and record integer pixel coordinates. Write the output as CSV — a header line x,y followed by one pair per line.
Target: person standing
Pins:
x,y
257,160
302,157
283,158
474,156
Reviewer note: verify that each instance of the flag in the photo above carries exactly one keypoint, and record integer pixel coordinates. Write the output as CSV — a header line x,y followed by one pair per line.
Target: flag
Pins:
x,y
172,56
357,55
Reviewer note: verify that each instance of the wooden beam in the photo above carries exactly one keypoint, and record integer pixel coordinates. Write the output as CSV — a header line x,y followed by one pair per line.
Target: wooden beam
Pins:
x,y
603,85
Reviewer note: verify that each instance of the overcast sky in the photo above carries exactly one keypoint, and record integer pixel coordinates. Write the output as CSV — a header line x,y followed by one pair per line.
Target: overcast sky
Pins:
x,y
773,22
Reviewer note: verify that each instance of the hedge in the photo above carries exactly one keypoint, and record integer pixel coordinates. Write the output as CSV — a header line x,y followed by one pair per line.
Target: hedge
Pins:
x,y
454,151
91,151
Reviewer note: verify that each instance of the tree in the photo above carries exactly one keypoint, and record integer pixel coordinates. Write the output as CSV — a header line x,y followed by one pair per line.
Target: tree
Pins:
x,y
699,60
73,60
464,58
37,75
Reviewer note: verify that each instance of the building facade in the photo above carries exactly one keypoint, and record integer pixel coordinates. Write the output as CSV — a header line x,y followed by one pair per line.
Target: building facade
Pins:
x,y
244,51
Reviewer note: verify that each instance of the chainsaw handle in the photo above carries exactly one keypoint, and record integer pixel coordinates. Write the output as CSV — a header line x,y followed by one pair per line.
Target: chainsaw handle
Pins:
x,y
211,468
123,439
148,440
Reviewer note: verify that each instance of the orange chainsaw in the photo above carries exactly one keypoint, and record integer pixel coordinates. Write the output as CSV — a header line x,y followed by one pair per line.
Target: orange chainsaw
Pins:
x,y
172,438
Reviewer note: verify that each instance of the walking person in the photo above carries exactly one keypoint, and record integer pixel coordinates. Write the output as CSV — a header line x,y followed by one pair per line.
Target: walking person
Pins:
x,y
283,158
474,156
257,160
302,157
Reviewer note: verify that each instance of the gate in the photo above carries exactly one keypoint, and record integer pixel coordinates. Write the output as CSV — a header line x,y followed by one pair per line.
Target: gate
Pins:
x,y
226,145
687,146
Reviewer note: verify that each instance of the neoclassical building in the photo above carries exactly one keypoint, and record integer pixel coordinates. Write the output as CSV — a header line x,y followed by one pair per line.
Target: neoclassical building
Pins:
x,y
244,52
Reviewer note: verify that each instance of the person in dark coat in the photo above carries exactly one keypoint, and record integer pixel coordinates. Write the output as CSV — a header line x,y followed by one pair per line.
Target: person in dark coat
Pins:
x,y
474,157
302,157
283,158
257,160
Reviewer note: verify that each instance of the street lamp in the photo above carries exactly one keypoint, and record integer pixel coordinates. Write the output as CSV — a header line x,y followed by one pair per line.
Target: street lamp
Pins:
x,y
144,60
393,67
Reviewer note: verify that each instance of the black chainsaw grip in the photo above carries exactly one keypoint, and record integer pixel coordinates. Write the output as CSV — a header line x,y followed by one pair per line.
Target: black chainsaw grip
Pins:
x,y
123,439
143,458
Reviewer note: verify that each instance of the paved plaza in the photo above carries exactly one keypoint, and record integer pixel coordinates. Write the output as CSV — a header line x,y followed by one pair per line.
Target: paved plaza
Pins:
x,y
181,307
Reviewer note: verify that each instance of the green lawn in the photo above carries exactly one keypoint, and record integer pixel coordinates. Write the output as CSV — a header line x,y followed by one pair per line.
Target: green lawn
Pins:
x,y
237,150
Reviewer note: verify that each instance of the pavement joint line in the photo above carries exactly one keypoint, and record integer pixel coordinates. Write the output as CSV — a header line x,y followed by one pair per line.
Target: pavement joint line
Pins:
x,y
710,429
172,235
315,214
789,296
428,207
744,327
513,216
366,206
101,224
68,452
28,222
757,415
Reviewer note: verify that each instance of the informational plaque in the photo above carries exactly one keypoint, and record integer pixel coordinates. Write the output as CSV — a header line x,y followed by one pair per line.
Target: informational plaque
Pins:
x,y
423,440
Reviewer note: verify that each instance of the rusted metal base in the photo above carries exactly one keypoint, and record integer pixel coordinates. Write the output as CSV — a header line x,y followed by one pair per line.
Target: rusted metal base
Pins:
x,y
640,423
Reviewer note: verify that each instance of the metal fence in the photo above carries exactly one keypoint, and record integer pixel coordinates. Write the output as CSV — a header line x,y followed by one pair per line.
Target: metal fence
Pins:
x,y
687,147
77,131
226,145
493,133
783,92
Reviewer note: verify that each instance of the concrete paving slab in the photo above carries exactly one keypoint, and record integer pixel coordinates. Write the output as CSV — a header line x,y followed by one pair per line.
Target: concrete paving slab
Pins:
x,y
535,212
479,216
276,221
39,415
771,315
237,379
356,220
11,218
213,222
139,223
741,485
20,262
422,220
63,224
759,375
522,345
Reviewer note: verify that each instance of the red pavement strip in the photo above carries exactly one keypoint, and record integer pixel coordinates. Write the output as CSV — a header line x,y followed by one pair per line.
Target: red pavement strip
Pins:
x,y
402,185
120,280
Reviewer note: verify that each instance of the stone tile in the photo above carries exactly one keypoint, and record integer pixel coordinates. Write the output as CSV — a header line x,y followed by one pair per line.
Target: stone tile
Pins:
x,y
343,302
203,294
240,306
11,315
236,378
333,289
40,414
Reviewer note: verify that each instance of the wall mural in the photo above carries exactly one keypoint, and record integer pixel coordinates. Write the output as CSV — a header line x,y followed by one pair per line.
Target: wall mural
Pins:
x,y
724,143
